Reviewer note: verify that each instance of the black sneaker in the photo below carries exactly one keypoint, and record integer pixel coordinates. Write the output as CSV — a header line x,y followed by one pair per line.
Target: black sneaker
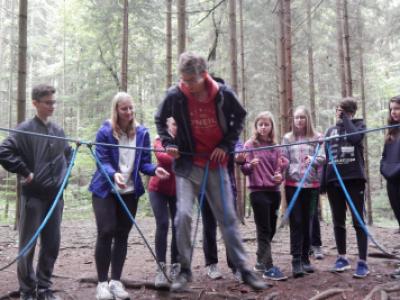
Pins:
x,y
46,294
27,296
297,269
307,267
180,283
253,281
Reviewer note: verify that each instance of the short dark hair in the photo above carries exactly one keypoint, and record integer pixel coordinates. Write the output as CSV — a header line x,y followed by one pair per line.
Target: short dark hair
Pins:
x,y
190,63
41,90
349,105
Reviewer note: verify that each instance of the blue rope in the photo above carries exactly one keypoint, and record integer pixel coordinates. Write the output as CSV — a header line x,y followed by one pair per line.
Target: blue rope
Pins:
x,y
121,201
299,187
29,245
223,194
351,204
202,192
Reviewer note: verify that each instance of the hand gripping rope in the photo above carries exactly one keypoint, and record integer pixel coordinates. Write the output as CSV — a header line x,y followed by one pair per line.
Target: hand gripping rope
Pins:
x,y
29,245
353,208
299,187
126,209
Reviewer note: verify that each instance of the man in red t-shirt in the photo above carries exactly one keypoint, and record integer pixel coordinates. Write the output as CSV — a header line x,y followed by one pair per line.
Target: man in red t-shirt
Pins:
x,y
209,119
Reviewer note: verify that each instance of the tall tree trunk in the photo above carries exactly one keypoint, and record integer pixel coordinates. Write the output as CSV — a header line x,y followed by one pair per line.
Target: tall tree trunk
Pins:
x,y
21,89
288,61
181,5
310,52
64,66
169,43
364,110
282,67
349,83
124,63
233,45
339,27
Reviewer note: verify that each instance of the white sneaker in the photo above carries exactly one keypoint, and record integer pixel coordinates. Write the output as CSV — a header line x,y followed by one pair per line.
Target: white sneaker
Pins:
x,y
175,270
103,291
118,290
213,272
161,281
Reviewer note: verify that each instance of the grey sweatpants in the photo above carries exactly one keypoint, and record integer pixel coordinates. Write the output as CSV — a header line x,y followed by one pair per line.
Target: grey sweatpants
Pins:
x,y
187,189
33,212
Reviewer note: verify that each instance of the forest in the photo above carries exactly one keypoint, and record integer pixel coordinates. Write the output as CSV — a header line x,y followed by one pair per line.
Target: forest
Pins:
x,y
275,54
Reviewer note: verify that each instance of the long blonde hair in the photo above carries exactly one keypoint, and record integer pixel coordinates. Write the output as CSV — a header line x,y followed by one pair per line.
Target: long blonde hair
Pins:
x,y
268,116
310,130
117,131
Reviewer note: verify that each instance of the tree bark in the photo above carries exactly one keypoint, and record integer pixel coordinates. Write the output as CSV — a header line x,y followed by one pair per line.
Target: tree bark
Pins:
x,y
181,6
349,82
310,52
21,86
364,110
124,63
339,27
233,45
169,43
288,61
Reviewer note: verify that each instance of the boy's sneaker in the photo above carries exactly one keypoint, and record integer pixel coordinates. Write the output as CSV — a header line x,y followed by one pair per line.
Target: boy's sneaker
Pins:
x,y
274,274
161,281
395,274
259,267
341,265
46,294
317,252
307,267
103,291
118,290
181,282
253,281
175,270
297,269
213,272
27,296
361,270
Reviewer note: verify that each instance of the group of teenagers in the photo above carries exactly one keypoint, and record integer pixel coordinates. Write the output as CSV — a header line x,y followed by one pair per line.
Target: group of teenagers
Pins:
x,y
198,124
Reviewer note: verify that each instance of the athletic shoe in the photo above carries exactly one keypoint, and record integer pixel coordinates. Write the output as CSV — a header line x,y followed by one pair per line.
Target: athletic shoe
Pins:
x,y
259,267
317,252
161,281
213,272
118,290
274,274
103,291
181,282
361,270
341,265
253,281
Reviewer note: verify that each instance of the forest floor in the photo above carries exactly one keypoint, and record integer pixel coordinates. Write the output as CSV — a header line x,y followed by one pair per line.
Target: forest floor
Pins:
x,y
74,274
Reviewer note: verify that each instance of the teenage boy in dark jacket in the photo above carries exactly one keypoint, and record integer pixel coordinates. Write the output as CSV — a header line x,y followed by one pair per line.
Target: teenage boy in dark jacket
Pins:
x,y
348,156
42,163
209,120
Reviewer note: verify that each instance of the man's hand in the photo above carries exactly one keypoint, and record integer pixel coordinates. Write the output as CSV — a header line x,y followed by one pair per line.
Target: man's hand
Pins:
x,y
173,151
119,180
218,155
162,173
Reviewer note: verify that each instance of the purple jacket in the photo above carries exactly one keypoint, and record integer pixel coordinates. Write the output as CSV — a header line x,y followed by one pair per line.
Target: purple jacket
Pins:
x,y
260,177
109,157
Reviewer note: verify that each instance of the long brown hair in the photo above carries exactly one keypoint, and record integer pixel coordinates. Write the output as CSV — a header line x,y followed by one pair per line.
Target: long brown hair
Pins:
x,y
267,115
117,131
392,133
310,131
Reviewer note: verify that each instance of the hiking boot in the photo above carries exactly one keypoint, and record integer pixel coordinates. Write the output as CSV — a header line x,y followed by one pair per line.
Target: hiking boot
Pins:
x,y
117,289
251,279
103,291
161,281
259,267
297,269
46,294
213,272
361,270
181,281
307,267
274,274
317,252
341,265
174,271
27,296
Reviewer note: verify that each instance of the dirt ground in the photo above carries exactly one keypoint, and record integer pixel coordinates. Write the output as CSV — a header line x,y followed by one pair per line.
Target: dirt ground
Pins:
x,y
74,275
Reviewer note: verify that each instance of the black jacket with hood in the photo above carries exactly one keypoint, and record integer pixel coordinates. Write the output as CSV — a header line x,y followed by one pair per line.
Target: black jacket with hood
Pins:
x,y
230,114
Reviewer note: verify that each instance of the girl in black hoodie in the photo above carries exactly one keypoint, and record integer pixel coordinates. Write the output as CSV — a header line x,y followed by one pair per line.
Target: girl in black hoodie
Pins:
x,y
348,156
